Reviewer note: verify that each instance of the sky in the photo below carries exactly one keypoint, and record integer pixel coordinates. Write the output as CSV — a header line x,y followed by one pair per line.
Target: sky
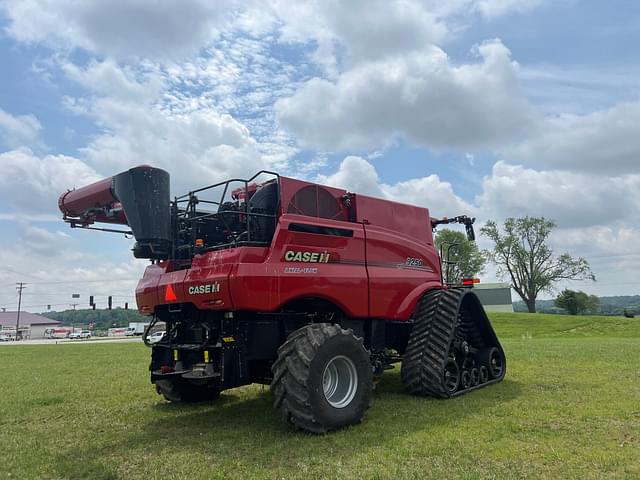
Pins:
x,y
492,108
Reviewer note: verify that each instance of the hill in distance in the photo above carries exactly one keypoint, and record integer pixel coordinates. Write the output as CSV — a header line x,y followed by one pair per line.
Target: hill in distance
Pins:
x,y
608,305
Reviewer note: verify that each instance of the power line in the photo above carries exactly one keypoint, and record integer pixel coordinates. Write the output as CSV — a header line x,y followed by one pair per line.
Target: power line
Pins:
x,y
85,281
65,293
19,273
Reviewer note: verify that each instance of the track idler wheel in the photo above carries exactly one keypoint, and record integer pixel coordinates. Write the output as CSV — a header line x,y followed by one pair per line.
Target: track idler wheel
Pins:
x,y
451,376
494,360
484,374
475,376
465,380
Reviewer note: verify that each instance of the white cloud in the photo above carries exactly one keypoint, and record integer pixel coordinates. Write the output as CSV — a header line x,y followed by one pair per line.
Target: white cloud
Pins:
x,y
431,192
489,9
496,8
174,29
399,26
150,115
196,148
107,78
356,31
572,199
604,141
41,240
32,184
356,175
122,29
18,130
421,96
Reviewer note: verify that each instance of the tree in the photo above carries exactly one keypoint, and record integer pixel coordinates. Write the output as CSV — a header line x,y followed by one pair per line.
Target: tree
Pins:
x,y
521,252
470,261
577,302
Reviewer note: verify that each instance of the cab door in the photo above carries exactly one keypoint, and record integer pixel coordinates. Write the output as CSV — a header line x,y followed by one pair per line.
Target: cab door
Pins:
x,y
321,258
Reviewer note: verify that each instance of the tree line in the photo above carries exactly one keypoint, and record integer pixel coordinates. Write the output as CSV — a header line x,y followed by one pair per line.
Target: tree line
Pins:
x,y
100,319
613,305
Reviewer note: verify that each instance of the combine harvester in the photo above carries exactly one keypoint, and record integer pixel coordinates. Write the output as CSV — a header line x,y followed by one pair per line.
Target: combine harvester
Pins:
x,y
311,289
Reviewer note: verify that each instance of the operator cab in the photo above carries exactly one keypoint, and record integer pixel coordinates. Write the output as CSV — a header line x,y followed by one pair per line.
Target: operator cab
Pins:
x,y
225,215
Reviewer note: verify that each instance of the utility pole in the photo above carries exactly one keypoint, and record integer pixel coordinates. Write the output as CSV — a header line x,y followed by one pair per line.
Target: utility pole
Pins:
x,y
20,286
74,305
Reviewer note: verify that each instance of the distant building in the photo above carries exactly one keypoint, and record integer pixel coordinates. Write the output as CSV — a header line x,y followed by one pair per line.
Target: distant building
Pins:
x,y
31,325
495,297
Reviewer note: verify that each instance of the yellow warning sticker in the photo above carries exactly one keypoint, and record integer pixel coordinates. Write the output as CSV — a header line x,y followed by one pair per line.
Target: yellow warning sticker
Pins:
x,y
228,339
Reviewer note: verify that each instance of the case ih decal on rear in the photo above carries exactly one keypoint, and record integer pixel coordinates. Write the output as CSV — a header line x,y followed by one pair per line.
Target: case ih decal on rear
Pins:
x,y
204,289
324,290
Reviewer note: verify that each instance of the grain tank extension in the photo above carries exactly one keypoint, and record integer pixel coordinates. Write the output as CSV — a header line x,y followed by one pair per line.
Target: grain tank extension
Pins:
x,y
311,289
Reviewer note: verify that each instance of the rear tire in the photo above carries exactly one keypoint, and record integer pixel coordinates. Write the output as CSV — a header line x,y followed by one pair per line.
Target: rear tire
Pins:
x,y
178,391
322,379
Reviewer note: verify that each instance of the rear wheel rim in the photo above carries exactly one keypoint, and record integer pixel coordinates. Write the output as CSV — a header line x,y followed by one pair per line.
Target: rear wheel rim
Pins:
x,y
340,381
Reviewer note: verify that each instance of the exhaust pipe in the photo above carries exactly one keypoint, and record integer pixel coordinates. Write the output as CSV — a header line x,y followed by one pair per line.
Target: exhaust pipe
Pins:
x,y
138,198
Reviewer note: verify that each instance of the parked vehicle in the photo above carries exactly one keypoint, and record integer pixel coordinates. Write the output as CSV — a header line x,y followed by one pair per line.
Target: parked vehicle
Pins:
x,y
311,289
155,337
80,335
61,332
5,338
136,328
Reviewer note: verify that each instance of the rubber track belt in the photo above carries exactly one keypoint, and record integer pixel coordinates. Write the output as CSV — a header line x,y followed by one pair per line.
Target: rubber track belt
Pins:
x,y
430,343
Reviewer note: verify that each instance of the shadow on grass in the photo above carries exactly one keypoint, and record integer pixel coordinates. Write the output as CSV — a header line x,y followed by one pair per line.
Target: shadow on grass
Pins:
x,y
241,427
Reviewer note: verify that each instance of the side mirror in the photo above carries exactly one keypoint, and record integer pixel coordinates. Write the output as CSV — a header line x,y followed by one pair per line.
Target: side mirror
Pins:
x,y
471,235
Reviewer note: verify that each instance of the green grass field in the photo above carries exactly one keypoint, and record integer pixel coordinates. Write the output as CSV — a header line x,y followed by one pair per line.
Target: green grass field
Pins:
x,y
568,408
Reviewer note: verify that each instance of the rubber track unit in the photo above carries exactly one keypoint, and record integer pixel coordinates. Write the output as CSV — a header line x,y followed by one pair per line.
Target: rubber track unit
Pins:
x,y
430,342
291,372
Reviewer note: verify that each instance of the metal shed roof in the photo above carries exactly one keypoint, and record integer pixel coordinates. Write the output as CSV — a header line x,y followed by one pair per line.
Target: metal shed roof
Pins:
x,y
8,319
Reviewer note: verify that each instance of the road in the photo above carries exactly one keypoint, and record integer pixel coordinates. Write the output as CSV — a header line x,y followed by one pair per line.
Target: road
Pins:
x,y
58,341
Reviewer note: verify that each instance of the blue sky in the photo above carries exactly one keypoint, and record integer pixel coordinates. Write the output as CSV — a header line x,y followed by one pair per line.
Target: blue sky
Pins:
x,y
495,108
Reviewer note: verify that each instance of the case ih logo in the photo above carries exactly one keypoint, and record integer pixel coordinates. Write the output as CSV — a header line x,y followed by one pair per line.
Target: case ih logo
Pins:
x,y
309,257
204,289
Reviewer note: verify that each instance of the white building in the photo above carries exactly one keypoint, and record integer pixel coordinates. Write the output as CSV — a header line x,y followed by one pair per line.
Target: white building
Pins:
x,y
495,297
31,325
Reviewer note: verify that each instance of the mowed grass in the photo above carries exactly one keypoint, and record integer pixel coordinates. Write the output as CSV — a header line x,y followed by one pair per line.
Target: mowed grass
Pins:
x,y
568,408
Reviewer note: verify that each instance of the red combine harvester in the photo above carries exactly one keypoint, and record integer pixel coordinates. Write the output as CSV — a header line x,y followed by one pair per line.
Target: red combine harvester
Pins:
x,y
311,289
